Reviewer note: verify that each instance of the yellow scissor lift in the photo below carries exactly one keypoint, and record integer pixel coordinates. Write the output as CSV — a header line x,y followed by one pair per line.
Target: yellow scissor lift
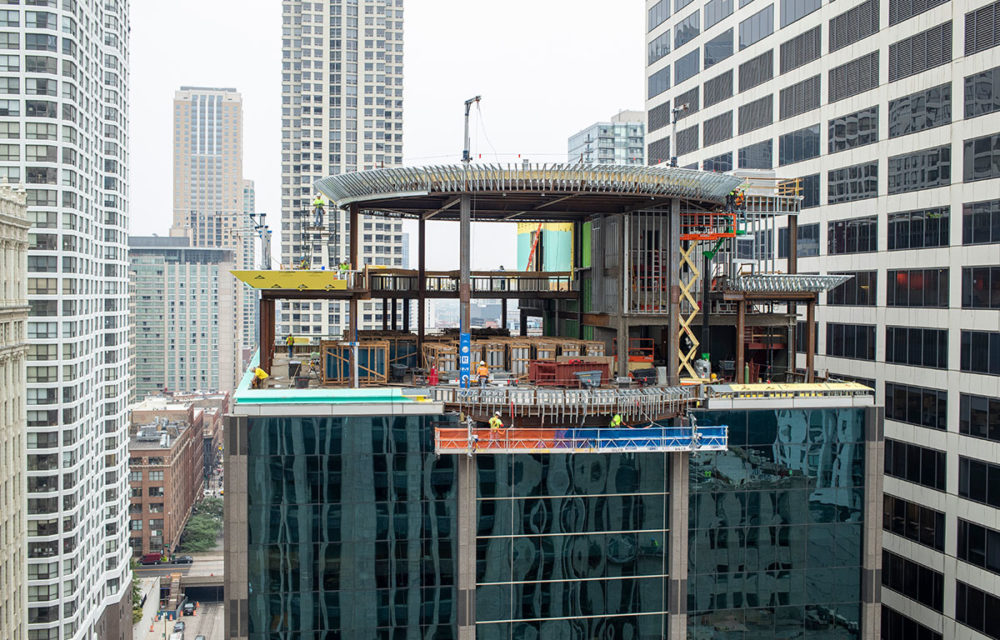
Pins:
x,y
708,230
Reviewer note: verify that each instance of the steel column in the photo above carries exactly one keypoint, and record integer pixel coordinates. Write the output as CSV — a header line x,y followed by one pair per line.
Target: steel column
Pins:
x,y
741,310
356,267
503,313
266,334
385,314
673,286
394,315
421,283
464,259
810,339
406,315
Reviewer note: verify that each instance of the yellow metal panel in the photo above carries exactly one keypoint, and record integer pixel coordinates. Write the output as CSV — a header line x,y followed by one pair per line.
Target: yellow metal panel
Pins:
x,y
298,280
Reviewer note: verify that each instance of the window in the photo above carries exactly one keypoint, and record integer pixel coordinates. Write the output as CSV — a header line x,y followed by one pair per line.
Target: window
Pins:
x,y
854,77
756,115
154,492
896,626
792,10
914,522
979,416
799,98
687,140
915,581
860,290
982,93
900,10
809,186
920,170
658,151
757,71
856,182
680,4
917,288
917,346
9,41
757,27
981,222
659,117
855,341
982,158
686,66
916,405
39,42
920,52
977,609
919,229
659,82
807,241
717,129
756,156
981,352
690,98
981,287
719,48
979,481
853,130
135,525
979,545
716,10
657,14
687,30
798,145
913,463
718,88
719,164
854,25
658,47
982,30
800,50
802,336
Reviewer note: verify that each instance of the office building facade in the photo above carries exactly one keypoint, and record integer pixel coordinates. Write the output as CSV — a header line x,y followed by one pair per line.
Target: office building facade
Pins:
x,y
13,391
342,111
619,141
210,193
186,316
65,121
888,115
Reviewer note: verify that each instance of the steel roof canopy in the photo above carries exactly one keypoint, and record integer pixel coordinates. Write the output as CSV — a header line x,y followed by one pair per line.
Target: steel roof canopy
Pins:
x,y
522,193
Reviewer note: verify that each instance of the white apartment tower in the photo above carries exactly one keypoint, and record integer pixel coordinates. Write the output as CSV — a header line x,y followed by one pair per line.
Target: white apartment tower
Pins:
x,y
342,110
13,351
888,112
617,141
64,124
209,189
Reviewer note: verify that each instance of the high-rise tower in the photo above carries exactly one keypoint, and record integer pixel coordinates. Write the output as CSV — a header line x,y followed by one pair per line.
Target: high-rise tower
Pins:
x,y
889,114
342,111
65,127
209,189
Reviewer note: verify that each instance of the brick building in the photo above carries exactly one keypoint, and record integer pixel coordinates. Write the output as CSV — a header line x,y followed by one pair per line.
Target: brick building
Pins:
x,y
166,472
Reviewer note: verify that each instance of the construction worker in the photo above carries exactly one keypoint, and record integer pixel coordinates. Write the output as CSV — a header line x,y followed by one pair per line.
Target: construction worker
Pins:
x,y
731,201
616,421
739,201
483,372
289,342
319,204
496,424
259,376
304,264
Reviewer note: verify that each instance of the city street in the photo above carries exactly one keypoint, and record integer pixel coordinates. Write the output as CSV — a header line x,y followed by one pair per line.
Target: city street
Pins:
x,y
205,564
207,621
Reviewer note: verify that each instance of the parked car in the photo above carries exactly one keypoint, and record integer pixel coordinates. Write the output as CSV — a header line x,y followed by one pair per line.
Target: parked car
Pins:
x,y
151,558
199,637
182,560
179,626
188,609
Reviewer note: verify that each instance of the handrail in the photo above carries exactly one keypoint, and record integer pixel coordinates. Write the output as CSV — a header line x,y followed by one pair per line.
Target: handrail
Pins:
x,y
530,440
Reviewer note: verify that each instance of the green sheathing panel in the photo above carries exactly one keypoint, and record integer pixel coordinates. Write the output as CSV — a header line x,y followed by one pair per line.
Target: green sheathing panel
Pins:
x,y
585,246
588,332
523,248
557,253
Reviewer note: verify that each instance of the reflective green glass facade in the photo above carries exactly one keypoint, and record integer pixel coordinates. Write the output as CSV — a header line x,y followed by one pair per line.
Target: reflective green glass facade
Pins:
x,y
572,546
775,526
351,525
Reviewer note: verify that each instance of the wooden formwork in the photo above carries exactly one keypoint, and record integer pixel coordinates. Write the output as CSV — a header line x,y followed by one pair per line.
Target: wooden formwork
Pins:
x,y
338,364
442,356
494,353
546,350
519,355
593,347
402,345
572,348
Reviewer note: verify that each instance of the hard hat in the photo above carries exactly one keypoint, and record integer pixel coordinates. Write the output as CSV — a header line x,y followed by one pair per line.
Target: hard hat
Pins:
x,y
482,362
497,414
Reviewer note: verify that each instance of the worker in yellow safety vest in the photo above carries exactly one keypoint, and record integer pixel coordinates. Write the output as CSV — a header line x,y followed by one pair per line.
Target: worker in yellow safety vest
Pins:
x,y
259,376
496,424
319,204
289,342
616,420
483,372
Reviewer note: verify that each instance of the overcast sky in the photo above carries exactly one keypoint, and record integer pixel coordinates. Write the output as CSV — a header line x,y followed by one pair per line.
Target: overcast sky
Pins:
x,y
545,70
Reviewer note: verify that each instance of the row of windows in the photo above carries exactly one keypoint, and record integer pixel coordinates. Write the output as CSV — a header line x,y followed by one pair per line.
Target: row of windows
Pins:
x,y
919,229
860,290
977,609
981,287
916,405
917,288
916,464
979,545
850,340
980,352
915,581
855,235
913,522
979,481
917,346
979,416
896,626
